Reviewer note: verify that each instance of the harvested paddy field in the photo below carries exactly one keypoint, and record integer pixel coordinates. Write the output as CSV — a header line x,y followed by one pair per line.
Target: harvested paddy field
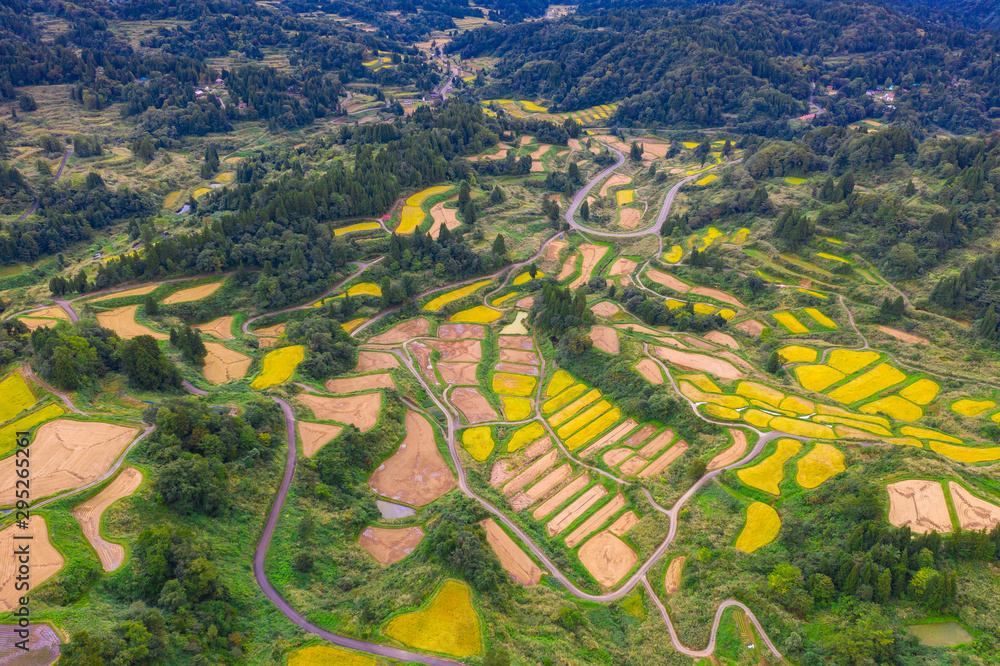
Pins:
x,y
628,218
68,454
553,249
575,510
605,309
34,323
402,332
667,280
605,338
622,266
516,342
221,328
314,435
516,368
699,363
279,365
733,453
416,474
762,527
664,461
614,181
460,351
447,217
473,405
514,560
720,338
974,514
447,625
458,373
49,313
461,331
751,326
223,364
89,513
568,267
596,520
413,214
25,423
389,545
672,581
362,383
273,331
45,560
122,321
607,558
920,505
192,293
138,291
592,254
358,410
518,356
372,360
904,336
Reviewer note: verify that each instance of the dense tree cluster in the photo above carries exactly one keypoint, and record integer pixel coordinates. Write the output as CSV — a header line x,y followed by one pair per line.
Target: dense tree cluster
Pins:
x,y
76,355
331,350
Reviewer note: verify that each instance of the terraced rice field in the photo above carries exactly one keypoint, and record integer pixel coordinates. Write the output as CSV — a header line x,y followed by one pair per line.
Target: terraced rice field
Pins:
x,y
821,463
797,354
45,560
15,397
675,254
817,377
767,474
479,314
874,381
478,442
413,214
510,384
972,408
447,625
788,320
625,196
921,392
761,528
515,409
454,295
360,226
279,365
416,474
525,435
327,655
89,513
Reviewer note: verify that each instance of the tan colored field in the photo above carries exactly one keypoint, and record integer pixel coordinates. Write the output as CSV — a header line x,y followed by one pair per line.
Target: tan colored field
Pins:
x,y
389,545
192,293
460,351
629,218
919,504
362,383
577,508
275,330
624,523
518,356
661,463
68,454
720,338
402,332
422,353
372,360
904,336
526,302
516,368
591,255
516,342
718,295
529,474
605,338
650,371
568,267
458,373
614,181
733,453
607,558
605,309
547,483
622,266
461,331
974,514
553,249
657,444
314,435
33,323
699,363
45,560
443,217
89,513
636,328
138,291
667,280
692,341
612,436
595,521
672,581
613,457
473,405
416,474
223,364
122,321
751,326
359,410
567,491
221,328
50,313
514,560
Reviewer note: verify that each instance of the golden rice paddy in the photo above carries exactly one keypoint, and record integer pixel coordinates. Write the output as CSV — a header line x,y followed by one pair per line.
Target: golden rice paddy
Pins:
x,y
894,406
478,442
718,411
877,379
413,214
564,398
25,423
674,255
515,409
922,391
327,655
526,277
560,381
451,296
591,431
966,454
15,397
802,428
849,361
360,226
832,257
763,525
583,418
791,180
821,318
279,366
967,407
740,236
815,467
797,354
767,474
625,196
810,292
707,179
703,308
526,435
788,320
447,625
702,382
756,391
817,377
479,314
925,433
509,384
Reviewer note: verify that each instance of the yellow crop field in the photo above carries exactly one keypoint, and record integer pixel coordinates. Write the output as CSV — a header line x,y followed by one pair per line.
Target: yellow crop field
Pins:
x,y
200,192
353,324
690,145
448,625
279,366
327,655
526,277
697,395
567,412
767,474
877,379
760,392
420,197
788,320
821,318
810,292
225,177
797,354
832,257
674,255
763,525
413,214
478,442
727,314
452,296
583,418
802,428
25,423
707,179
873,428
170,201
710,237
740,236
966,454
718,411
15,397
479,314
532,107
819,465
922,391
817,377
560,381
673,303
625,196
849,361
594,429
967,407
365,289
792,180
526,435
925,433
703,308
797,405
757,418
506,297
360,226
522,385
894,406
702,382
515,409
564,398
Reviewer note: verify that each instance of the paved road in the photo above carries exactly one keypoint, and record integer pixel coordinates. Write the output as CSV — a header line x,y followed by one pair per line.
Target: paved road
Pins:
x,y
26,371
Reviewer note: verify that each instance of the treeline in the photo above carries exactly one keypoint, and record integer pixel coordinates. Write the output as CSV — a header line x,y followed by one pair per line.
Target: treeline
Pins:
x,y
972,293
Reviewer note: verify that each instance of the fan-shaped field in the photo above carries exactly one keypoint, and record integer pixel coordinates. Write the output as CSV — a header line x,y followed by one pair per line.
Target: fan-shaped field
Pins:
x,y
416,474
447,625
279,366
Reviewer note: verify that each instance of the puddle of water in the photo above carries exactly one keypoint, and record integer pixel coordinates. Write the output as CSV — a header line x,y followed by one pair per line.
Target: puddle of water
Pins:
x,y
941,634
392,511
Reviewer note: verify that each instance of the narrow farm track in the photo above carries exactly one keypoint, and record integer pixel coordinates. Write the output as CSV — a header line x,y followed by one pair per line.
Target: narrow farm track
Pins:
x,y
62,165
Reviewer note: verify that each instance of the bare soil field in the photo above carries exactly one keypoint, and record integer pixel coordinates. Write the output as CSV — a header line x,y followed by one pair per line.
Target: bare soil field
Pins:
x,y
595,521
528,475
614,456
692,341
614,181
577,508
605,309
605,338
591,256
622,266
661,463
629,218
416,474
672,581
122,321
402,332
359,410
362,383
920,504
638,328
314,435
223,364
609,437
515,342
904,336
447,217
733,453
271,331
516,368
641,435
458,373
567,491
568,267
720,338
138,291
974,514
372,360
422,353
461,331
68,454
718,295
657,444
89,513
389,545
221,328
650,371
751,326
33,323
45,560
461,351
50,313
553,249
607,558
526,302
473,405
632,466
192,293
667,280
624,523
514,560
547,483
518,356
699,363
